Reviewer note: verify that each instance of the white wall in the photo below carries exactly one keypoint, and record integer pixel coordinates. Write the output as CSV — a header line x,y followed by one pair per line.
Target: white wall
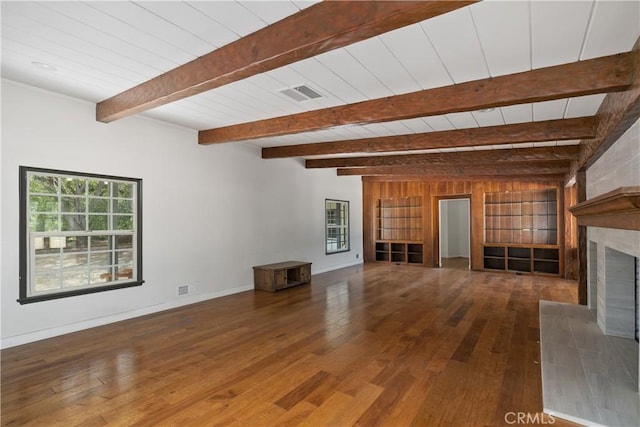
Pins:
x,y
444,229
210,213
454,235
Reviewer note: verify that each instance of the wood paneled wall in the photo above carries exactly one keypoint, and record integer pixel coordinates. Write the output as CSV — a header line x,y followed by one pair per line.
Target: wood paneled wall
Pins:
x,y
570,234
375,188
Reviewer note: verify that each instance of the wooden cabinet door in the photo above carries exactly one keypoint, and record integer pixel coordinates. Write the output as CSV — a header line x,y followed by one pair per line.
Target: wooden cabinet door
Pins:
x,y
280,278
305,274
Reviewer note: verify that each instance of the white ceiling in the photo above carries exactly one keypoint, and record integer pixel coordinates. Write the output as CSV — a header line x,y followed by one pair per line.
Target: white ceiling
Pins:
x,y
103,48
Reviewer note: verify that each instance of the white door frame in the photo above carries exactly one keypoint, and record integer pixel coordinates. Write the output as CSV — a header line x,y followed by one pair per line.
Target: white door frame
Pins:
x,y
468,200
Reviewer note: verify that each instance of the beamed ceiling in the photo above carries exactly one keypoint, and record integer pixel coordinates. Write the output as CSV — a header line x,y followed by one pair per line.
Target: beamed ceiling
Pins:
x,y
528,90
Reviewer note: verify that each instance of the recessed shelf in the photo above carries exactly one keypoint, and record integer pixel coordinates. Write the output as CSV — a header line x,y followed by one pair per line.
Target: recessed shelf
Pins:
x,y
523,258
400,252
399,219
528,217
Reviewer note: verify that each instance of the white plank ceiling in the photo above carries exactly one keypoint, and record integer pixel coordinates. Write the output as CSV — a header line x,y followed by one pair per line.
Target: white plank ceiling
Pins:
x,y
99,49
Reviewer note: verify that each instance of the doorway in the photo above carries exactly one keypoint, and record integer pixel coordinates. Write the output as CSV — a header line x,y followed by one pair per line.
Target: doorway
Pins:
x,y
454,231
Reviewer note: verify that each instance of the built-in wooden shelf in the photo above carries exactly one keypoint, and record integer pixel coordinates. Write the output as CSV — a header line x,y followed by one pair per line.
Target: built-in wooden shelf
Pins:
x,y
399,219
537,259
529,217
400,252
619,208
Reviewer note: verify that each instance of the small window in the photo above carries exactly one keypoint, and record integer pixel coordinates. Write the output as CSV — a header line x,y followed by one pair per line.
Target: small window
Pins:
x,y
79,233
337,230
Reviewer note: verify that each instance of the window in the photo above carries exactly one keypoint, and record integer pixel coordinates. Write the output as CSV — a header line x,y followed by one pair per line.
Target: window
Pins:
x,y
337,220
79,233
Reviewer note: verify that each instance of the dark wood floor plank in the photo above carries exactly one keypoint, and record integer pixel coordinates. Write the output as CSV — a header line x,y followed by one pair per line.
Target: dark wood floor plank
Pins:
x,y
296,395
378,344
393,391
468,344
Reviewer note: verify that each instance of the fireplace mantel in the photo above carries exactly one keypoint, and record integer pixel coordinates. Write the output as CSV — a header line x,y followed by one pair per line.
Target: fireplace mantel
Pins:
x,y
619,208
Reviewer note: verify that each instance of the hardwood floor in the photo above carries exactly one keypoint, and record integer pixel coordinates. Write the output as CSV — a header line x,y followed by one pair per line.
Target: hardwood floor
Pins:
x,y
378,344
458,263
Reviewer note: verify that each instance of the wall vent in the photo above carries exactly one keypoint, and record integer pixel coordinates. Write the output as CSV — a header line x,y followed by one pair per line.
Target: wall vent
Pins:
x,y
183,290
301,93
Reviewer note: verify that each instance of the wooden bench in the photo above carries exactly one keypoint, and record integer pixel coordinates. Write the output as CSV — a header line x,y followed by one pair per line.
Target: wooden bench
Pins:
x,y
281,275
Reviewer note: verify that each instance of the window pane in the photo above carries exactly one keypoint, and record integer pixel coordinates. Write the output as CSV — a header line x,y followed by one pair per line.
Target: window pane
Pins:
x,y
74,204
72,278
47,282
123,222
124,272
100,260
76,222
77,244
98,205
75,260
100,243
101,275
43,223
43,184
76,186
98,222
57,242
43,204
123,206
122,190
124,242
47,263
98,188
123,258
49,244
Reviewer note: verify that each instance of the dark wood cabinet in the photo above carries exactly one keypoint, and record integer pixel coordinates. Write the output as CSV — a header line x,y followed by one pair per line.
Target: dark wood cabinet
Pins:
x,y
543,259
399,252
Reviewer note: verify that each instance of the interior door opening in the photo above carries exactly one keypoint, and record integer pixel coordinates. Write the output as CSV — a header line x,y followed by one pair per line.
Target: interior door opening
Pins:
x,y
454,233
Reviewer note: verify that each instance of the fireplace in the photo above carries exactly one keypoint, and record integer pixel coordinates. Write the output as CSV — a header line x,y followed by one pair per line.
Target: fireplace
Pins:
x,y
613,284
613,232
619,316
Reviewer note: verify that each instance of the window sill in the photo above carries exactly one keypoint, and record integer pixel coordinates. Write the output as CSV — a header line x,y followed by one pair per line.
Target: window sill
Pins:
x,y
58,295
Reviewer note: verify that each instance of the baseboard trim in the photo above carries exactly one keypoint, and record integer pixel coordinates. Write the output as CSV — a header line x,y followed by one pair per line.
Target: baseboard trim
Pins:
x,y
337,267
100,321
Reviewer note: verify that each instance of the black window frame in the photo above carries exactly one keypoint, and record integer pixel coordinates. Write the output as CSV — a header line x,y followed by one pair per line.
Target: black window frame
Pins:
x,y
347,227
24,255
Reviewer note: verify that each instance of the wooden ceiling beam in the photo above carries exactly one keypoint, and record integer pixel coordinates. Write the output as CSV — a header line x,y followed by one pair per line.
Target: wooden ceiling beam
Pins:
x,y
550,130
600,75
507,156
484,178
317,29
617,113
462,171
